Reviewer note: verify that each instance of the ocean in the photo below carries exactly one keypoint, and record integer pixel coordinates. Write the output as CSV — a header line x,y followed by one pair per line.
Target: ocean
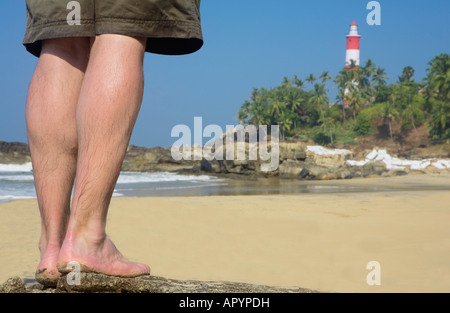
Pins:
x,y
17,182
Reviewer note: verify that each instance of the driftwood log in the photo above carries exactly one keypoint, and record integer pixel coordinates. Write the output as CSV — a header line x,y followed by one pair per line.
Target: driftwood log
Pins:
x,y
97,283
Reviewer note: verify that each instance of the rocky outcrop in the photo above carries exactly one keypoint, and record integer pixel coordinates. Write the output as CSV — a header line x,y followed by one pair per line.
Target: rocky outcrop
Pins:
x,y
13,285
138,159
296,160
287,162
14,153
97,283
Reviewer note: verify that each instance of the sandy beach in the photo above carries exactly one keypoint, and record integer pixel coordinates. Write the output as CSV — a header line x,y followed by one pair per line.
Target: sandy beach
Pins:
x,y
316,241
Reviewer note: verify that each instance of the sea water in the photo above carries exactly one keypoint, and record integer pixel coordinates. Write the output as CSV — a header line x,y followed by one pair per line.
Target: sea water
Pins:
x,y
17,182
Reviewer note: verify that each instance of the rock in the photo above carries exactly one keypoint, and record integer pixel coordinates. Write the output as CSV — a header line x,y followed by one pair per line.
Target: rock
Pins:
x,y
98,283
13,285
32,286
374,168
206,166
290,168
14,153
346,174
372,176
213,166
394,173
152,284
296,161
292,151
328,158
138,159
304,173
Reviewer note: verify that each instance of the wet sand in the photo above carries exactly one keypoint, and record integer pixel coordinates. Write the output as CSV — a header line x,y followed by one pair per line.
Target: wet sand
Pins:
x,y
316,240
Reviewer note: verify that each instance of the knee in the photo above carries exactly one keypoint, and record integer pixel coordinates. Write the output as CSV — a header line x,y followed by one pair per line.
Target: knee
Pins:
x,y
74,50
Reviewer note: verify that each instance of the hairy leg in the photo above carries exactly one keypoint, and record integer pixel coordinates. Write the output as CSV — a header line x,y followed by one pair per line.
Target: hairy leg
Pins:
x,y
109,103
50,114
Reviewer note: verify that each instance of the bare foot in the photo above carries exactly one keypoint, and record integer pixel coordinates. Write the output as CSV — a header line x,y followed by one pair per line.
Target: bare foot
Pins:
x,y
97,256
47,273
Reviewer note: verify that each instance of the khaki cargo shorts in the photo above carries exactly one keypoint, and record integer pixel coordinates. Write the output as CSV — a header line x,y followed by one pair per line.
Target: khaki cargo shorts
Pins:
x,y
171,26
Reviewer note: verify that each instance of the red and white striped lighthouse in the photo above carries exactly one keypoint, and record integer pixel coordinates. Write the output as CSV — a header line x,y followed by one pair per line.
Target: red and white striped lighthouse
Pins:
x,y
353,39
352,54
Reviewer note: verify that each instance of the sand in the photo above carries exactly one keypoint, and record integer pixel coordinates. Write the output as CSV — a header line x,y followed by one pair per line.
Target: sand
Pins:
x,y
322,242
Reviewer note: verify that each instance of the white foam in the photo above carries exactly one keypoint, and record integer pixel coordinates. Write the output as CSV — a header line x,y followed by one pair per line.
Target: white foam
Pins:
x,y
26,167
117,194
17,178
5,198
132,177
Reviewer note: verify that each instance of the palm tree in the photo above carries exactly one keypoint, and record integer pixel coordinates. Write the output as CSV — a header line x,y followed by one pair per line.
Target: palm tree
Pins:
x,y
298,82
439,96
285,122
328,124
324,77
293,99
345,82
354,70
411,111
439,65
319,99
440,118
370,68
285,82
311,79
407,74
354,97
340,97
364,77
255,95
380,87
379,78
343,79
389,112
438,76
243,113
276,106
257,112
441,83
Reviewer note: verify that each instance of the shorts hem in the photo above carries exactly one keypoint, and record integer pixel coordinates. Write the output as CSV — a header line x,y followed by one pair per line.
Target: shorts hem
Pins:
x,y
171,37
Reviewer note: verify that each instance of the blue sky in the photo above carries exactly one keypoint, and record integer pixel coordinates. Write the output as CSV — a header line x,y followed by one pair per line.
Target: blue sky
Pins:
x,y
248,43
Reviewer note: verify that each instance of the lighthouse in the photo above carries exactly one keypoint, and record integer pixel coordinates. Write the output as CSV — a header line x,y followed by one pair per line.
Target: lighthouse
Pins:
x,y
353,39
352,54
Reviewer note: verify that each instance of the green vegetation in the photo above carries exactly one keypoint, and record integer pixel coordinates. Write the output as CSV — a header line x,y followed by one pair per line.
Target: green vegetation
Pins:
x,y
303,110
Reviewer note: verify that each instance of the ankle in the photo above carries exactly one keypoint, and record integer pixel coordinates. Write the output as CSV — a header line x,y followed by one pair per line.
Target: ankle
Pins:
x,y
92,234
52,243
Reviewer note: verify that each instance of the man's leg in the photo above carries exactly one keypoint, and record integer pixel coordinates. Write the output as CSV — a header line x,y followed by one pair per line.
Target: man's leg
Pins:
x,y
51,108
108,106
